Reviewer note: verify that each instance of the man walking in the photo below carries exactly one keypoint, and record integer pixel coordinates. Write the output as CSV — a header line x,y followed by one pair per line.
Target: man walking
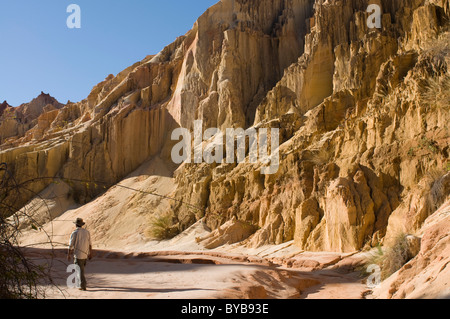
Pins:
x,y
81,247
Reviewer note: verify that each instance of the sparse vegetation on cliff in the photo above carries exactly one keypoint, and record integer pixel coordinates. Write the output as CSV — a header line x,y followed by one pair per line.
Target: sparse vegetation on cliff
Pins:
x,y
162,227
392,257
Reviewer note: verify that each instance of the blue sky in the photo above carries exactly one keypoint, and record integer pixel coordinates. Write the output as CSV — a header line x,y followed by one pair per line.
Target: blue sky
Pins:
x,y
38,52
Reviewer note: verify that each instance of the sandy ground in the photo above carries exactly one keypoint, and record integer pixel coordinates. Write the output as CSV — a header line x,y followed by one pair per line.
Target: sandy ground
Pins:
x,y
182,269
181,275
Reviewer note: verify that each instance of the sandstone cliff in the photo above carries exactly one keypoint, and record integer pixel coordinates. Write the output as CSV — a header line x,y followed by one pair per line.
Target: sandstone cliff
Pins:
x,y
359,133
15,122
362,112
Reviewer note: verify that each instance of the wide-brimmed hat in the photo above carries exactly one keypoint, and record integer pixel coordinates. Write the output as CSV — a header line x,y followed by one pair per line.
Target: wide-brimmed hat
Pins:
x,y
79,222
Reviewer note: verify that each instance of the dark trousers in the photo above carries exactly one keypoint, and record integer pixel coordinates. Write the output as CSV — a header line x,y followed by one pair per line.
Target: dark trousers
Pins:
x,y
82,264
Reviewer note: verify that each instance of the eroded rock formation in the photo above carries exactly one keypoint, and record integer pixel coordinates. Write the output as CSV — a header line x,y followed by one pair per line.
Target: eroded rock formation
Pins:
x,y
363,115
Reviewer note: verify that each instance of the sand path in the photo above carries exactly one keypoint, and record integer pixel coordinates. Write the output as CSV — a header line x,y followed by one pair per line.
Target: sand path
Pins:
x,y
172,275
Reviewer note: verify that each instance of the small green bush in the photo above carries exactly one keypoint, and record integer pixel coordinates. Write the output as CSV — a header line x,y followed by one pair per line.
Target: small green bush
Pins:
x,y
162,227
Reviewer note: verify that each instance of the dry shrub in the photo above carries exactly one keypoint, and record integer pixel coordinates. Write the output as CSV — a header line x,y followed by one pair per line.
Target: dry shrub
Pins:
x,y
395,256
437,186
435,92
321,157
440,190
21,277
435,62
391,258
162,227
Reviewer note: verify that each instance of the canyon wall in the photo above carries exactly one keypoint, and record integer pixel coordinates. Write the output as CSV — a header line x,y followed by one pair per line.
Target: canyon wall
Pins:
x,y
362,115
